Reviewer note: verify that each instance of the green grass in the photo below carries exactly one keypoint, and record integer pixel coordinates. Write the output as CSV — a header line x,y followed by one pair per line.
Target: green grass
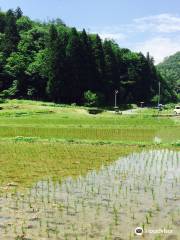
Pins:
x,y
25,163
79,133
153,111
46,142
48,121
107,134
44,139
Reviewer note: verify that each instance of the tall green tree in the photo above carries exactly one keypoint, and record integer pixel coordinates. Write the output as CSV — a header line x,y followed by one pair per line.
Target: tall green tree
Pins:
x,y
98,54
55,65
88,63
18,13
76,80
111,76
11,38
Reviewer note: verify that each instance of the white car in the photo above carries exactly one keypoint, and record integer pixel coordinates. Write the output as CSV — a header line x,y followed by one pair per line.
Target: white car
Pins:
x,y
177,110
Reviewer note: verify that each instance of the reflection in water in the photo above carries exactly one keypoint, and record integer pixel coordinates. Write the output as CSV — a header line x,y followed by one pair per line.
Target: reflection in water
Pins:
x,y
138,190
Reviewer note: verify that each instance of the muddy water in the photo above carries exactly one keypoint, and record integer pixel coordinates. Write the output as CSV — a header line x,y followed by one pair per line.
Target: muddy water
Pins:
x,y
139,190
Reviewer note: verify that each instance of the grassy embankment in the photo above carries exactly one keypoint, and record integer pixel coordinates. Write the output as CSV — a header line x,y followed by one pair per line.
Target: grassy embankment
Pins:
x,y
43,139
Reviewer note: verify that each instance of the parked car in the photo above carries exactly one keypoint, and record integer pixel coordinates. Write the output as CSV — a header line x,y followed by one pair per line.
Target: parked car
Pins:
x,y
177,110
160,107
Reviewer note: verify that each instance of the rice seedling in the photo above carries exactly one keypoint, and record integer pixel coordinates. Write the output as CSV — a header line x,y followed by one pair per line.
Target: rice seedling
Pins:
x,y
59,178
94,202
69,124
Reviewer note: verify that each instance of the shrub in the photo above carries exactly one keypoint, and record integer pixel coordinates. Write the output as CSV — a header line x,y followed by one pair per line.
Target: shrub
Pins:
x,y
91,99
10,92
2,100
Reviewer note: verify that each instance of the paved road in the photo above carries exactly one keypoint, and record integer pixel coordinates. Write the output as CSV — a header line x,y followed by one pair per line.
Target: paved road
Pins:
x,y
127,112
130,111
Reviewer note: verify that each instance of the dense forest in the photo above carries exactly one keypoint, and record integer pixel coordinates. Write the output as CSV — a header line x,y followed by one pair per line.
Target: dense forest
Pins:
x,y
170,70
50,61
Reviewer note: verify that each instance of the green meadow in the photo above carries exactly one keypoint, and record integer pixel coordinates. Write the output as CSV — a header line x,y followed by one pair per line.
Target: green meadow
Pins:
x,y
52,162
39,139
28,119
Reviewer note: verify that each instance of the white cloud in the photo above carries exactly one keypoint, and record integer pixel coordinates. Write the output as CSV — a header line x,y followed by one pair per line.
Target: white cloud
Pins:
x,y
159,47
111,35
162,23
157,34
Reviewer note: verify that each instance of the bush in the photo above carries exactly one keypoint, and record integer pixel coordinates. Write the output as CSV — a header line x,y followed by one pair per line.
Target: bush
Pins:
x,y
10,92
170,106
154,100
91,99
2,100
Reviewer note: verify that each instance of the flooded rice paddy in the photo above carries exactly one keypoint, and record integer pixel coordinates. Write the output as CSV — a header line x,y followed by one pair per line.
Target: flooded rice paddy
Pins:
x,y
141,190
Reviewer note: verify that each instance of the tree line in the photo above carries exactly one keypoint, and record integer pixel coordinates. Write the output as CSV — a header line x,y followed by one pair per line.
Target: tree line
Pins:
x,y
50,61
170,71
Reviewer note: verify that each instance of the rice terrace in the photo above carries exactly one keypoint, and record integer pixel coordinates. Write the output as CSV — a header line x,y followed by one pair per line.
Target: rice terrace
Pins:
x,y
89,120
68,174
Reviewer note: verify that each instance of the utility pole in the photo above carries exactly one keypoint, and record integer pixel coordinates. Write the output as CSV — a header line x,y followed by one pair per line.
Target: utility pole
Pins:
x,y
159,97
115,98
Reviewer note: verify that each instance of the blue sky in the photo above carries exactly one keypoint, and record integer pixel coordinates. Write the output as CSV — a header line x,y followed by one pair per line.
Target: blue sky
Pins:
x,y
140,25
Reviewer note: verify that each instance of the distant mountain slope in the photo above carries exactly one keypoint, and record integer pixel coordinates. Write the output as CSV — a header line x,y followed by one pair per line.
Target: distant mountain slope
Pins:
x,y
170,70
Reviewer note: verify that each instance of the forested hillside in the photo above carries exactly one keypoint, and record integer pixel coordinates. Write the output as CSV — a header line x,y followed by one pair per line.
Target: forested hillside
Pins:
x,y
50,61
170,70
